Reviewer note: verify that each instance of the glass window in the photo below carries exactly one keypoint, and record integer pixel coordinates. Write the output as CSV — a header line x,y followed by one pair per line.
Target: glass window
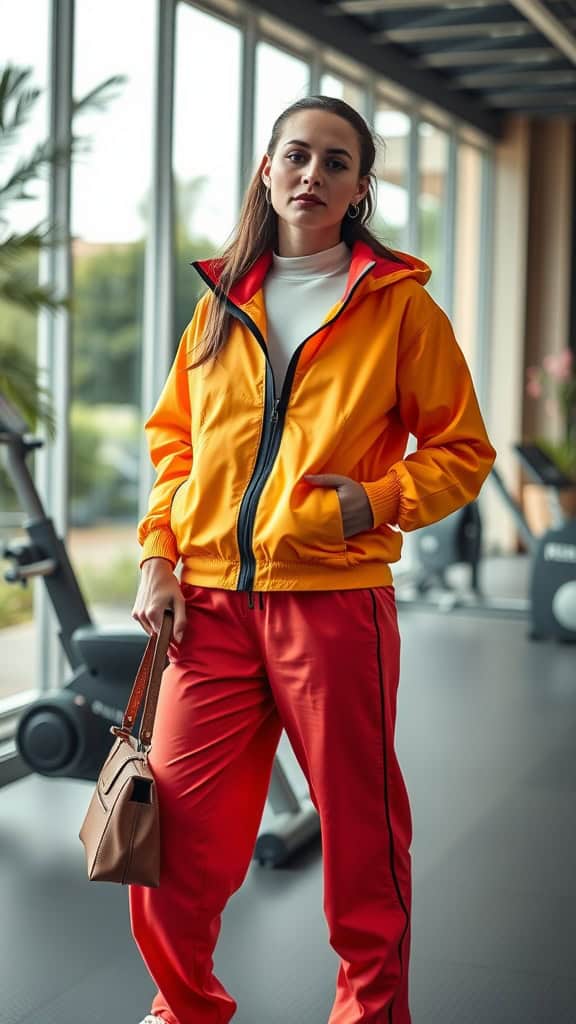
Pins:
x,y
467,262
23,43
206,143
343,89
431,203
110,199
281,79
391,219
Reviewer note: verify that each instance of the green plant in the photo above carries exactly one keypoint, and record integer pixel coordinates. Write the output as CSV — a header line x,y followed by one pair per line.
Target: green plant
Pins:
x,y
18,286
104,462
114,584
15,604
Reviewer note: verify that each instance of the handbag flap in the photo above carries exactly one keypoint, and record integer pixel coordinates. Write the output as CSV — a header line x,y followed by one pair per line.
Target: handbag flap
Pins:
x,y
124,755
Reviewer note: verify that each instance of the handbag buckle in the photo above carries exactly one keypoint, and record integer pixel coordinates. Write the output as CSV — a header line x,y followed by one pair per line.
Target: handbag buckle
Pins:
x,y
118,730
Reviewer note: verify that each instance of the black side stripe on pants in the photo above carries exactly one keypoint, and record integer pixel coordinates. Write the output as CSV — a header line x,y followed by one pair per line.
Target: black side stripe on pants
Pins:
x,y
386,797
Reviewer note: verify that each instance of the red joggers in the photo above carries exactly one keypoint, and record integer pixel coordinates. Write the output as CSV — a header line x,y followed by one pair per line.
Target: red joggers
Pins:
x,y
323,665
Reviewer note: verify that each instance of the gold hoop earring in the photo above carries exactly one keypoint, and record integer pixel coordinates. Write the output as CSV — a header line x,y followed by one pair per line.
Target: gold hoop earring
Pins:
x,y
267,195
355,207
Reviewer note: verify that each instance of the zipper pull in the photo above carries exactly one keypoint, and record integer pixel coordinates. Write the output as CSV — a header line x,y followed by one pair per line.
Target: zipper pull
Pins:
x,y
274,416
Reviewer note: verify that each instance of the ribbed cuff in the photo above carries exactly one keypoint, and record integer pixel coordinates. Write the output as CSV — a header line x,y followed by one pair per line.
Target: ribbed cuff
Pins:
x,y
160,544
384,498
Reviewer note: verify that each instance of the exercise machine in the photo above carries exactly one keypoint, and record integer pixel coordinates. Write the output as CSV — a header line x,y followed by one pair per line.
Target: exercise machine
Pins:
x,y
550,606
66,732
454,540
552,589
445,569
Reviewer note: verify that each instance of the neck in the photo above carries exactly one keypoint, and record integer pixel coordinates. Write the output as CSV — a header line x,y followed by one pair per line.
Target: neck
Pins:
x,y
294,242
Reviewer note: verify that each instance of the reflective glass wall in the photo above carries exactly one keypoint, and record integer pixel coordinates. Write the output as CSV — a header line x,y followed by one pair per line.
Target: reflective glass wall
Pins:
x,y
206,139
281,79
23,45
110,196
332,84
432,205
467,267
393,130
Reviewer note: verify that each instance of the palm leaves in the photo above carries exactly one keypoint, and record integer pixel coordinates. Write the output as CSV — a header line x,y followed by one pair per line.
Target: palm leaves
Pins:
x,y
18,374
20,385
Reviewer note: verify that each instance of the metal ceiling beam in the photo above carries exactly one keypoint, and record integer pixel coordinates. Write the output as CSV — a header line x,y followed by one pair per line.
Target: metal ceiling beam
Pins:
x,y
523,55
440,17
546,113
427,33
528,76
549,25
389,62
520,98
383,6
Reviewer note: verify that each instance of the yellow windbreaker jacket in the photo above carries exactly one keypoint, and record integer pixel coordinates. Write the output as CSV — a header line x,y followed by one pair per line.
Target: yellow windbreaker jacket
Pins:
x,y
231,453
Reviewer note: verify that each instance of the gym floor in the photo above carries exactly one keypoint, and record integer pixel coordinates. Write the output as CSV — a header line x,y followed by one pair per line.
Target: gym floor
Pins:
x,y
486,738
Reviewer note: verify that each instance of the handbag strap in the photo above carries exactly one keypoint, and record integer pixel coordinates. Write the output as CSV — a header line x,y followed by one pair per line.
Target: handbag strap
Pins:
x,y
147,683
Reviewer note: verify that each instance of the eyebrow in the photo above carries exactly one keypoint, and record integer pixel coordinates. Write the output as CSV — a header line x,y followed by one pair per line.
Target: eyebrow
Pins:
x,y
306,145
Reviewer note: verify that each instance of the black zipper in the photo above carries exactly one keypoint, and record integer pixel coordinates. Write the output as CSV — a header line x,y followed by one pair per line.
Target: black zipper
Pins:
x,y
272,428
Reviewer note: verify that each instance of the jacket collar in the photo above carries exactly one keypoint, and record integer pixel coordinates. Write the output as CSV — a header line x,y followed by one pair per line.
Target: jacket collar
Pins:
x,y
382,270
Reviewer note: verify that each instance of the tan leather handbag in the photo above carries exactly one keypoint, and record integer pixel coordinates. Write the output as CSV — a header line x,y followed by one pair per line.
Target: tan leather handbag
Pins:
x,y
121,830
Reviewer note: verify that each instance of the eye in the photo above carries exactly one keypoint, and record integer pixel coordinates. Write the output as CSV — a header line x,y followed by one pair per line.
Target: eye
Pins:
x,y
296,157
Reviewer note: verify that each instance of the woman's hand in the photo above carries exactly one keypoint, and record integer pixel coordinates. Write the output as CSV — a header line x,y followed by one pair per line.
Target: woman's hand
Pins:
x,y
159,589
354,504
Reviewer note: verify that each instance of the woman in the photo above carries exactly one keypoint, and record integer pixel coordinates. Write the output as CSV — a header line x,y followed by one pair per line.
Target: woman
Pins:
x,y
282,483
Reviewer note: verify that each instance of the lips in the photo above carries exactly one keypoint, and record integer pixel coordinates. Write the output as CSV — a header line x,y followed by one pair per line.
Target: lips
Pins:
x,y
307,197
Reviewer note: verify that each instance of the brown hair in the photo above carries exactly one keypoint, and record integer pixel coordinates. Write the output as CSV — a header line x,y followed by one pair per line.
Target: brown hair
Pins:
x,y
256,231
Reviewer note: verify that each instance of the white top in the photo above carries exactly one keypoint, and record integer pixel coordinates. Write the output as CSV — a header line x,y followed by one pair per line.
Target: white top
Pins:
x,y
299,291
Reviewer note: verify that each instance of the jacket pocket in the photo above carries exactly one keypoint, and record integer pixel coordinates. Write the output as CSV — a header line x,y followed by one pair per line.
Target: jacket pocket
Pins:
x,y
302,525
203,519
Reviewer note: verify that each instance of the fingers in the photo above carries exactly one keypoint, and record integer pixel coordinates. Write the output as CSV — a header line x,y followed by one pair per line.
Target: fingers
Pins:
x,y
141,618
148,612
156,615
152,620
150,605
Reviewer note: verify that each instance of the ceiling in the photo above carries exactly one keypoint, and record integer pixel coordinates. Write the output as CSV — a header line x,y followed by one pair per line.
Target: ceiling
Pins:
x,y
478,59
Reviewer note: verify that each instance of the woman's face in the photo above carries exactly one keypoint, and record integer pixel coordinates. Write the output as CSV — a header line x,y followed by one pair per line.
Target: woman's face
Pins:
x,y
318,154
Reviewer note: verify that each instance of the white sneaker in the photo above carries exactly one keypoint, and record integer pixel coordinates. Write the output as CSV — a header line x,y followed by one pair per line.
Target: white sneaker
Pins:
x,y
151,1019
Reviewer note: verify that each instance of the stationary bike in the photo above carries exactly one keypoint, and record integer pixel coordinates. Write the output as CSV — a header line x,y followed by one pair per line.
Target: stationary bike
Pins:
x,y
66,732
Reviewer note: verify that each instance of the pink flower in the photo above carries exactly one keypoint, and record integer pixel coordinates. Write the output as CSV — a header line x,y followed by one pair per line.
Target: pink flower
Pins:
x,y
534,383
559,364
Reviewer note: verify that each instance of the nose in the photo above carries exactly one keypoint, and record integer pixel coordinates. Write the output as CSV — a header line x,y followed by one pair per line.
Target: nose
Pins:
x,y
312,173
